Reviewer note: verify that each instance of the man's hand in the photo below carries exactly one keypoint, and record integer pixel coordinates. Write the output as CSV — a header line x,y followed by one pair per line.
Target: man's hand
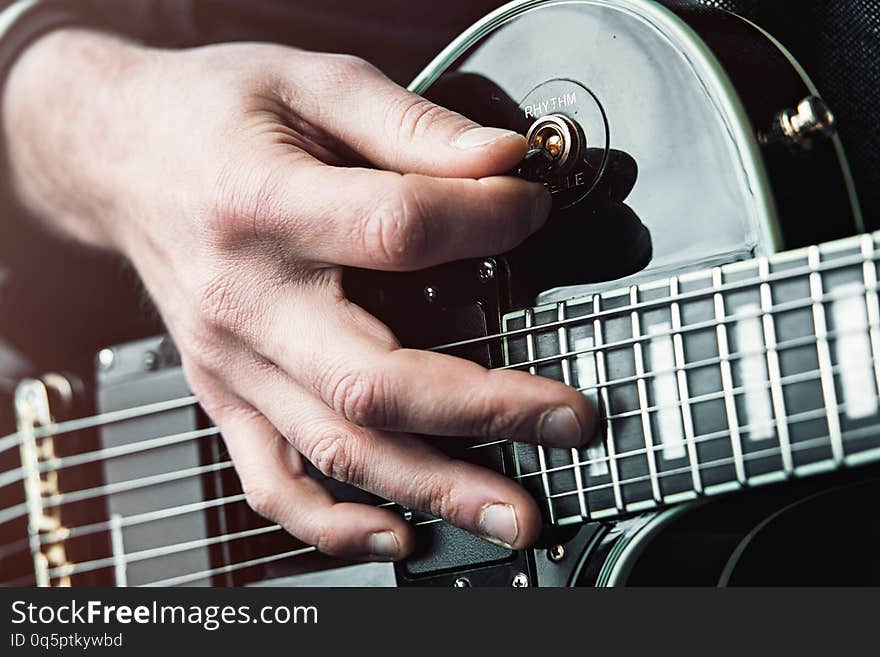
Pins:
x,y
239,180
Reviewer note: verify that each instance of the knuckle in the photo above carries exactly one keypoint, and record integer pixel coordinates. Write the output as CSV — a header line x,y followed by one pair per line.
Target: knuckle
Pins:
x,y
492,421
412,116
261,499
221,305
359,397
245,202
346,69
396,231
494,424
334,456
439,498
326,540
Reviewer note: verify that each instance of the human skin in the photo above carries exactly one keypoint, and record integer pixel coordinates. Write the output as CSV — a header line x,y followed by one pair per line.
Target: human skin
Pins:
x,y
239,180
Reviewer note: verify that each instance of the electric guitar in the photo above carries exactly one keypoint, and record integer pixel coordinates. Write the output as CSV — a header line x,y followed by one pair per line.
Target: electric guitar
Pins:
x,y
738,382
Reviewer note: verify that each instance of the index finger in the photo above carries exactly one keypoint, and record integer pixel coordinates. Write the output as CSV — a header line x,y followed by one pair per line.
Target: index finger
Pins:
x,y
388,221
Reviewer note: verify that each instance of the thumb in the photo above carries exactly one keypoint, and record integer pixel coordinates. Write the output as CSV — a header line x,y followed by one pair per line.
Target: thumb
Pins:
x,y
397,130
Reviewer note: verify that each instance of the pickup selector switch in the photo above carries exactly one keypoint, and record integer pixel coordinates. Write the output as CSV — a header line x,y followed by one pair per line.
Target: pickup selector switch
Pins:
x,y
568,137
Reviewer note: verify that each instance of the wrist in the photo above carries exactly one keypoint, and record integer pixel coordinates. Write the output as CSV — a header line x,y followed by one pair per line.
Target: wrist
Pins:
x,y
61,108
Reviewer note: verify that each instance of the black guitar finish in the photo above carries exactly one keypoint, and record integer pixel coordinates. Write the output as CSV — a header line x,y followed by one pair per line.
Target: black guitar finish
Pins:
x,y
657,190
684,164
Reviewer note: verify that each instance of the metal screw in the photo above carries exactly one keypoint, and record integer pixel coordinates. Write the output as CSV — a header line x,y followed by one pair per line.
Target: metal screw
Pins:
x,y
556,553
520,581
106,358
462,583
487,270
431,294
151,361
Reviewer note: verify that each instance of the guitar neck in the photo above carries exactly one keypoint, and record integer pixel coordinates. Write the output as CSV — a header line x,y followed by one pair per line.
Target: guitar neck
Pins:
x,y
708,382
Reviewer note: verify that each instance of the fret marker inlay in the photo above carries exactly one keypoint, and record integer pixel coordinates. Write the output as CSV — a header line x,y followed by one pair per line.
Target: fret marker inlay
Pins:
x,y
665,388
588,377
753,372
852,350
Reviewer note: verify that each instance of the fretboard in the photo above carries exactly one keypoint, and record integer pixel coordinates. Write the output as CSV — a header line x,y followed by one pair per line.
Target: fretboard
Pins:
x,y
711,381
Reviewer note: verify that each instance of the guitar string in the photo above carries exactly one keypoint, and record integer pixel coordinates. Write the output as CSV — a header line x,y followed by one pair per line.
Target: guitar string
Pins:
x,y
229,568
694,295
111,417
12,440
172,548
16,475
17,511
57,464
183,579
166,550
699,440
153,553
69,533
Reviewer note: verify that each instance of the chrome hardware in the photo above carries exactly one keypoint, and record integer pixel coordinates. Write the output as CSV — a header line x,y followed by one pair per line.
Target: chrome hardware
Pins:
x,y
431,294
487,270
150,361
812,119
556,553
520,581
462,583
559,138
106,358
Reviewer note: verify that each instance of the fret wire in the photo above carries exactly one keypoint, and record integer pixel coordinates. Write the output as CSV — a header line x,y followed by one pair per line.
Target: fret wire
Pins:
x,y
11,476
829,394
692,328
803,445
12,440
869,276
639,362
562,337
803,416
603,395
542,457
75,532
308,549
800,377
773,371
11,513
197,506
727,380
839,263
515,446
681,375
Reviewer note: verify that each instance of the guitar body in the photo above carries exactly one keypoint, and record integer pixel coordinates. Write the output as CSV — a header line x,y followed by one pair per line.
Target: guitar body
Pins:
x,y
674,103
698,142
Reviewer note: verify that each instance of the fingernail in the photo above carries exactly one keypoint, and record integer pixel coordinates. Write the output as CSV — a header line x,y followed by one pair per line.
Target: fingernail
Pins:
x,y
498,524
560,427
476,137
383,545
